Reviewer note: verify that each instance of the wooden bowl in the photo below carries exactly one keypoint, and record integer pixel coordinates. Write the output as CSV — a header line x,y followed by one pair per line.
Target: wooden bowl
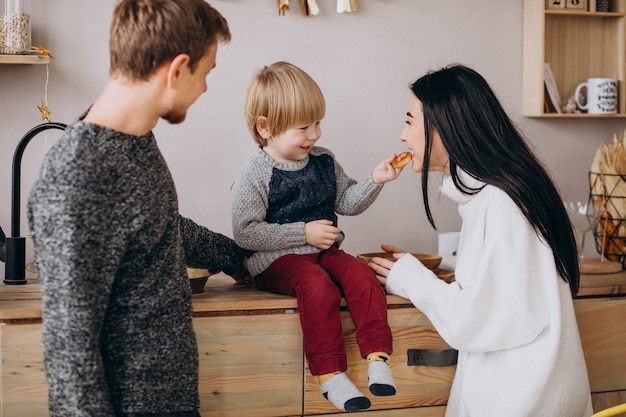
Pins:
x,y
197,279
197,284
430,261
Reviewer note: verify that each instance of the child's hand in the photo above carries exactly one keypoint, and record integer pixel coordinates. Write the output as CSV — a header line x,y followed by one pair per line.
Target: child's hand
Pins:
x,y
385,172
321,233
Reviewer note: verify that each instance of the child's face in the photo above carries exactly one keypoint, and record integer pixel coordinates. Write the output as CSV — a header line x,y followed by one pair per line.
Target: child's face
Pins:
x,y
294,144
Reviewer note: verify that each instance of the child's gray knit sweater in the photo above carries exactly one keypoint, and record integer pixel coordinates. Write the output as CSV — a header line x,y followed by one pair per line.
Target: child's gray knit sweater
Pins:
x,y
111,251
272,201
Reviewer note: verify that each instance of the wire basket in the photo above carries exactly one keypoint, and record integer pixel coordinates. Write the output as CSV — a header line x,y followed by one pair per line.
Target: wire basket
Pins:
x,y
607,197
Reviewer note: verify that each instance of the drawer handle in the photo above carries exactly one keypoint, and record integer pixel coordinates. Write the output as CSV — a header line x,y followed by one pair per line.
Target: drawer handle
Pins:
x,y
430,357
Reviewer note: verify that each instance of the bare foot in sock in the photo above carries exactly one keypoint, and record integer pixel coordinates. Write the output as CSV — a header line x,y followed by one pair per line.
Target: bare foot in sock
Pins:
x,y
381,381
344,395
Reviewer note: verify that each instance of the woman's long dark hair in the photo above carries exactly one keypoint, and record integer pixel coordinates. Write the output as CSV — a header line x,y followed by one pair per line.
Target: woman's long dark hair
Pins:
x,y
481,139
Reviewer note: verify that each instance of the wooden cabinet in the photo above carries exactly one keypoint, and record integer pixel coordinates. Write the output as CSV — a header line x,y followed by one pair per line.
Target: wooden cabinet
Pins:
x,y
578,44
418,386
24,391
250,365
252,361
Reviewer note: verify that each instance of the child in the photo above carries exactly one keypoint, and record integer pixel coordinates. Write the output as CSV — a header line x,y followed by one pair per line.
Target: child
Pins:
x,y
285,205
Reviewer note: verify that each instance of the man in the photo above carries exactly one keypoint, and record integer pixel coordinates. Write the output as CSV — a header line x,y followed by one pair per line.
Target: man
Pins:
x,y
110,246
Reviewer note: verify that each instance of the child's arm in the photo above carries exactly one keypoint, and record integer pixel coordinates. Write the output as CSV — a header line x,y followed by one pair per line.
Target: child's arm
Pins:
x,y
355,197
385,171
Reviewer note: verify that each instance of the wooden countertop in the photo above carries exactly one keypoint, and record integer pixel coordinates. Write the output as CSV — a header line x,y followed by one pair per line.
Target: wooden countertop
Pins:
x,y
22,303
220,297
602,285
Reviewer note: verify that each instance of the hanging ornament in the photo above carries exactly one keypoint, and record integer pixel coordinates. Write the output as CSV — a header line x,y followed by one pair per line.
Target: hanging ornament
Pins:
x,y
283,6
310,7
45,111
42,51
347,6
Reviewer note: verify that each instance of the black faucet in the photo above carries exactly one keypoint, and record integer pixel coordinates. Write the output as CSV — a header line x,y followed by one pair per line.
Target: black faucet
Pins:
x,y
3,248
13,248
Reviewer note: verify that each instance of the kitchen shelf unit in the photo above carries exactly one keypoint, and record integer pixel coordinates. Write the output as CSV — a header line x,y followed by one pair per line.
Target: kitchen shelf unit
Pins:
x,y
24,59
578,44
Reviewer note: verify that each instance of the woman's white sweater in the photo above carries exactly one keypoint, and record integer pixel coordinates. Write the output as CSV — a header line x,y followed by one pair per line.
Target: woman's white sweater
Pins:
x,y
508,313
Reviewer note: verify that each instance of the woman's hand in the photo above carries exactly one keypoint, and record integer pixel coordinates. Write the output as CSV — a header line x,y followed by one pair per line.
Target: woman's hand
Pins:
x,y
398,253
382,266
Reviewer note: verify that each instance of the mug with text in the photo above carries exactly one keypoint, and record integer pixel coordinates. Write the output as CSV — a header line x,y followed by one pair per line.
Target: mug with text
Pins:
x,y
601,96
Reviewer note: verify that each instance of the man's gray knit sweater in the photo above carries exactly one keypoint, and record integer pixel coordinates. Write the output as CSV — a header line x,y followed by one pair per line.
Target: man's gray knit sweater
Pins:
x,y
272,201
111,251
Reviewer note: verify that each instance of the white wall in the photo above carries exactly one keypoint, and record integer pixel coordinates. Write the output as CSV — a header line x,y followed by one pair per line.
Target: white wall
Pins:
x,y
363,61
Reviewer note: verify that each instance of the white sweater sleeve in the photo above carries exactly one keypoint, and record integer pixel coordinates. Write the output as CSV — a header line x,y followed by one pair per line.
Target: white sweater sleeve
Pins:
x,y
504,275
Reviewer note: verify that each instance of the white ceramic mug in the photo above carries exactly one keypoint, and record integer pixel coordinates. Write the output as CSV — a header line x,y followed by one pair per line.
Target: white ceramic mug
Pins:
x,y
601,95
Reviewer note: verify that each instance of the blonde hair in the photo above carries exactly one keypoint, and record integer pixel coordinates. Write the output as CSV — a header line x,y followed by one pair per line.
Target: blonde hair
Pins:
x,y
285,95
145,34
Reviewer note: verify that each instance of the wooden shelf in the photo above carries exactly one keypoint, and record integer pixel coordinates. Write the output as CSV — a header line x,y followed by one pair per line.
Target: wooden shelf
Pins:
x,y
578,115
578,44
583,13
24,59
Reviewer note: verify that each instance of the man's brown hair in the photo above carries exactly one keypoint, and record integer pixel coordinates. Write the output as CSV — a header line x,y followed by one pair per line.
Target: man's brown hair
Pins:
x,y
148,33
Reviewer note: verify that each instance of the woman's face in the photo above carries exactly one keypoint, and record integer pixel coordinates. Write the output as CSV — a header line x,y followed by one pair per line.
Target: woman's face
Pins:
x,y
414,135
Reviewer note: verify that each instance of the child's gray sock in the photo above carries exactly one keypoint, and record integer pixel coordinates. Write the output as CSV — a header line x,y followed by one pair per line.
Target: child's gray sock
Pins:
x,y
344,395
379,375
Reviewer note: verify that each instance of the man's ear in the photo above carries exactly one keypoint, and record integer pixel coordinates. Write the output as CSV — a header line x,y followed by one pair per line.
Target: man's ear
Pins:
x,y
176,68
262,127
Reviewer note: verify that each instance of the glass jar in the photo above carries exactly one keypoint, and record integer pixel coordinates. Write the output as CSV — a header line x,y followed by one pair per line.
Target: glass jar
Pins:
x,y
15,27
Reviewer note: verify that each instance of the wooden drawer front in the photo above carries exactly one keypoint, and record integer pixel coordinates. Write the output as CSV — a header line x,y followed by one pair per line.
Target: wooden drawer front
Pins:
x,y
602,325
603,400
435,411
417,386
23,388
250,365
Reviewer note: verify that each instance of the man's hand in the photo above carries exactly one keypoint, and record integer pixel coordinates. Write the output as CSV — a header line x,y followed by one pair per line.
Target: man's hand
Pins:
x,y
242,277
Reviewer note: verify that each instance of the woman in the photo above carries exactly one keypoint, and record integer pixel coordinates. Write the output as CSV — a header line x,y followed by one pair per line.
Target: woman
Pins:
x,y
510,312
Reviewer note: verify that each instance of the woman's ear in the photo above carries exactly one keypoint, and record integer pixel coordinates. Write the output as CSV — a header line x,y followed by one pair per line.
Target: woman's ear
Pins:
x,y
176,68
262,127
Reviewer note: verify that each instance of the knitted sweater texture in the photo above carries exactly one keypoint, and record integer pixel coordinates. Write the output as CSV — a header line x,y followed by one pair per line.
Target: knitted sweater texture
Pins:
x,y
272,201
508,313
111,251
